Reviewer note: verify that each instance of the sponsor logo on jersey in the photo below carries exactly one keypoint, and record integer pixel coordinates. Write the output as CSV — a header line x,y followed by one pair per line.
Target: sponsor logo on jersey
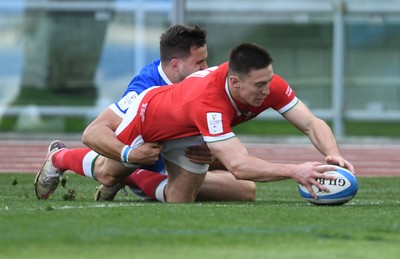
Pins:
x,y
214,122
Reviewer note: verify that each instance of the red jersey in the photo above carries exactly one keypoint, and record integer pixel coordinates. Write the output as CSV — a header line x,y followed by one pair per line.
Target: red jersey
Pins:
x,y
200,104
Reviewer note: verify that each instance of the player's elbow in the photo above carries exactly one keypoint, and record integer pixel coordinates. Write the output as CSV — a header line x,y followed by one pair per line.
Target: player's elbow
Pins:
x,y
239,175
237,171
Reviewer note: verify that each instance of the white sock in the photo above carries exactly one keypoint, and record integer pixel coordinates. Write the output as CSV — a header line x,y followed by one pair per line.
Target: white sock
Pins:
x,y
160,191
88,164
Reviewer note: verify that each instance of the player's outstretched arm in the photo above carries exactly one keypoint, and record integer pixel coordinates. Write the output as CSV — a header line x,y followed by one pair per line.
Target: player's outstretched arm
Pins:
x,y
234,156
319,133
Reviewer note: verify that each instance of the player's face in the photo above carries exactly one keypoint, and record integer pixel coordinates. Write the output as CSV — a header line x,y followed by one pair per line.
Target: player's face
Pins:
x,y
254,88
195,62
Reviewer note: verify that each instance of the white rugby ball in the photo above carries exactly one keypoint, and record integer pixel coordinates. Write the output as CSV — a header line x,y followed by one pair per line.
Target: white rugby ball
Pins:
x,y
342,190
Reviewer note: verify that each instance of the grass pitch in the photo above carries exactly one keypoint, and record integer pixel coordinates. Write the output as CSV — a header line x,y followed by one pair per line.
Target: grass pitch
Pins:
x,y
280,224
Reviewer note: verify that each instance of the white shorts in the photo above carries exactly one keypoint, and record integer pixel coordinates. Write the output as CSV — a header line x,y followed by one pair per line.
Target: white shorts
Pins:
x,y
174,152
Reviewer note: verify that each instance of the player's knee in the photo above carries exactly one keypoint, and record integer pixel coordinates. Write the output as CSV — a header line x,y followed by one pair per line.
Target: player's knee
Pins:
x,y
247,188
106,179
248,191
173,195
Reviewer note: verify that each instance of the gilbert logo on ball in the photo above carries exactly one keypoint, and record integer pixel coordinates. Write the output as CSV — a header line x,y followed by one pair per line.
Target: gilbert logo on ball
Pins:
x,y
342,190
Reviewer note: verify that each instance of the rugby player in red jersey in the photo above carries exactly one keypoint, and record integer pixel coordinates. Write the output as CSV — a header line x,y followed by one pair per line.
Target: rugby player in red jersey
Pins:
x,y
204,107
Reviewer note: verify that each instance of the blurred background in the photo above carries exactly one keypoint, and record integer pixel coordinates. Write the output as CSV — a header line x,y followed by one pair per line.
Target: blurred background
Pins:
x,y
63,61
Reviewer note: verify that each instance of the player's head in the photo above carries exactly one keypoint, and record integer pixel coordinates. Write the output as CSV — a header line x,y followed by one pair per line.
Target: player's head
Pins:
x,y
183,49
250,73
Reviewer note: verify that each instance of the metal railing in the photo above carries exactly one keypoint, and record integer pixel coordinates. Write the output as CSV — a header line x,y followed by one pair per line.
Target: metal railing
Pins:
x,y
337,10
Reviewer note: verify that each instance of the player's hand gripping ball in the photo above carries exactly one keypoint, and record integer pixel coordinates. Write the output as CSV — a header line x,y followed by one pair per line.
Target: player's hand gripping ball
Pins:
x,y
342,190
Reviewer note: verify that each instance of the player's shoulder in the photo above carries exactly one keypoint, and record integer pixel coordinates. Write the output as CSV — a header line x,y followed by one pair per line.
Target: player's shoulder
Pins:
x,y
149,75
150,69
278,80
279,87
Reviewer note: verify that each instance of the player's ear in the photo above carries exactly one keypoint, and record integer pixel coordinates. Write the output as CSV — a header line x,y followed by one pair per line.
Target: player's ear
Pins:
x,y
234,81
175,64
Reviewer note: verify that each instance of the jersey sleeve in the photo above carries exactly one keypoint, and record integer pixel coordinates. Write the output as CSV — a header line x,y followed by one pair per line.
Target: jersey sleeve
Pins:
x,y
121,106
284,98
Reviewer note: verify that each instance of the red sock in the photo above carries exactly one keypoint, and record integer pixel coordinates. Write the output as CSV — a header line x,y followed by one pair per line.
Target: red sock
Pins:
x,y
128,181
146,180
70,159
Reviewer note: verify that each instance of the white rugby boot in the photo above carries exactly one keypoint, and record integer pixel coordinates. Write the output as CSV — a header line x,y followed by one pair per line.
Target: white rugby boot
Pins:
x,y
48,177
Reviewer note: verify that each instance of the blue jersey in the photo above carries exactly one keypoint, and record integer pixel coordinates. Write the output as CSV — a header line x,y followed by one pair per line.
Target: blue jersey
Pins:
x,y
150,75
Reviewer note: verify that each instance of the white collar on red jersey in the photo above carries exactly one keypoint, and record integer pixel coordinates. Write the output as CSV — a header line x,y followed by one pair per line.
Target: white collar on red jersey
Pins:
x,y
228,92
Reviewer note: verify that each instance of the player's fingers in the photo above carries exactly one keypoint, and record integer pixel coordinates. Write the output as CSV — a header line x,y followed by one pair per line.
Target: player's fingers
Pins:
x,y
194,148
323,168
199,148
198,161
320,186
197,152
311,191
349,166
326,177
315,163
204,160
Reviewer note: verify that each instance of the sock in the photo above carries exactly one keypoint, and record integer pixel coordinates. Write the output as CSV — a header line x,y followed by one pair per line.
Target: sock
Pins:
x,y
128,181
78,160
151,183
160,196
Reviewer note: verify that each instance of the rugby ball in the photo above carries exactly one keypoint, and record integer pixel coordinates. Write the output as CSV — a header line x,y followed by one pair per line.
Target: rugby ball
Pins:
x,y
342,190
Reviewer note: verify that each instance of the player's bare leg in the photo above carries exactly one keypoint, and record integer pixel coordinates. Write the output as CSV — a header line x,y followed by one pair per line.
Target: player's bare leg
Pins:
x,y
218,185
183,186
221,185
110,172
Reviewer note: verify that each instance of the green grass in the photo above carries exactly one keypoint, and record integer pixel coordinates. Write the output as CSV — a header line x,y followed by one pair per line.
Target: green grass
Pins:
x,y
352,128
280,224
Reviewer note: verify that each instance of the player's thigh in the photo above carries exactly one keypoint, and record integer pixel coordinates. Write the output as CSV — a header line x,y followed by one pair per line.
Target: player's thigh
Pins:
x,y
221,185
184,176
183,185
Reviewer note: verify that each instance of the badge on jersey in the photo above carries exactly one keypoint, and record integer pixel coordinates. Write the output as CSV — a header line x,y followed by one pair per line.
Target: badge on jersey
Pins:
x,y
126,101
214,122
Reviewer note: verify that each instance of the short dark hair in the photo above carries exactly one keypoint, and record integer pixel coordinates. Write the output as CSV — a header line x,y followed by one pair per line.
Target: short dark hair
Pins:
x,y
247,57
178,41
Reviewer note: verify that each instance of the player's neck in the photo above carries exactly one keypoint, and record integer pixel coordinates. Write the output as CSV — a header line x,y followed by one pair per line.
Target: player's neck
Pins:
x,y
170,74
234,94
